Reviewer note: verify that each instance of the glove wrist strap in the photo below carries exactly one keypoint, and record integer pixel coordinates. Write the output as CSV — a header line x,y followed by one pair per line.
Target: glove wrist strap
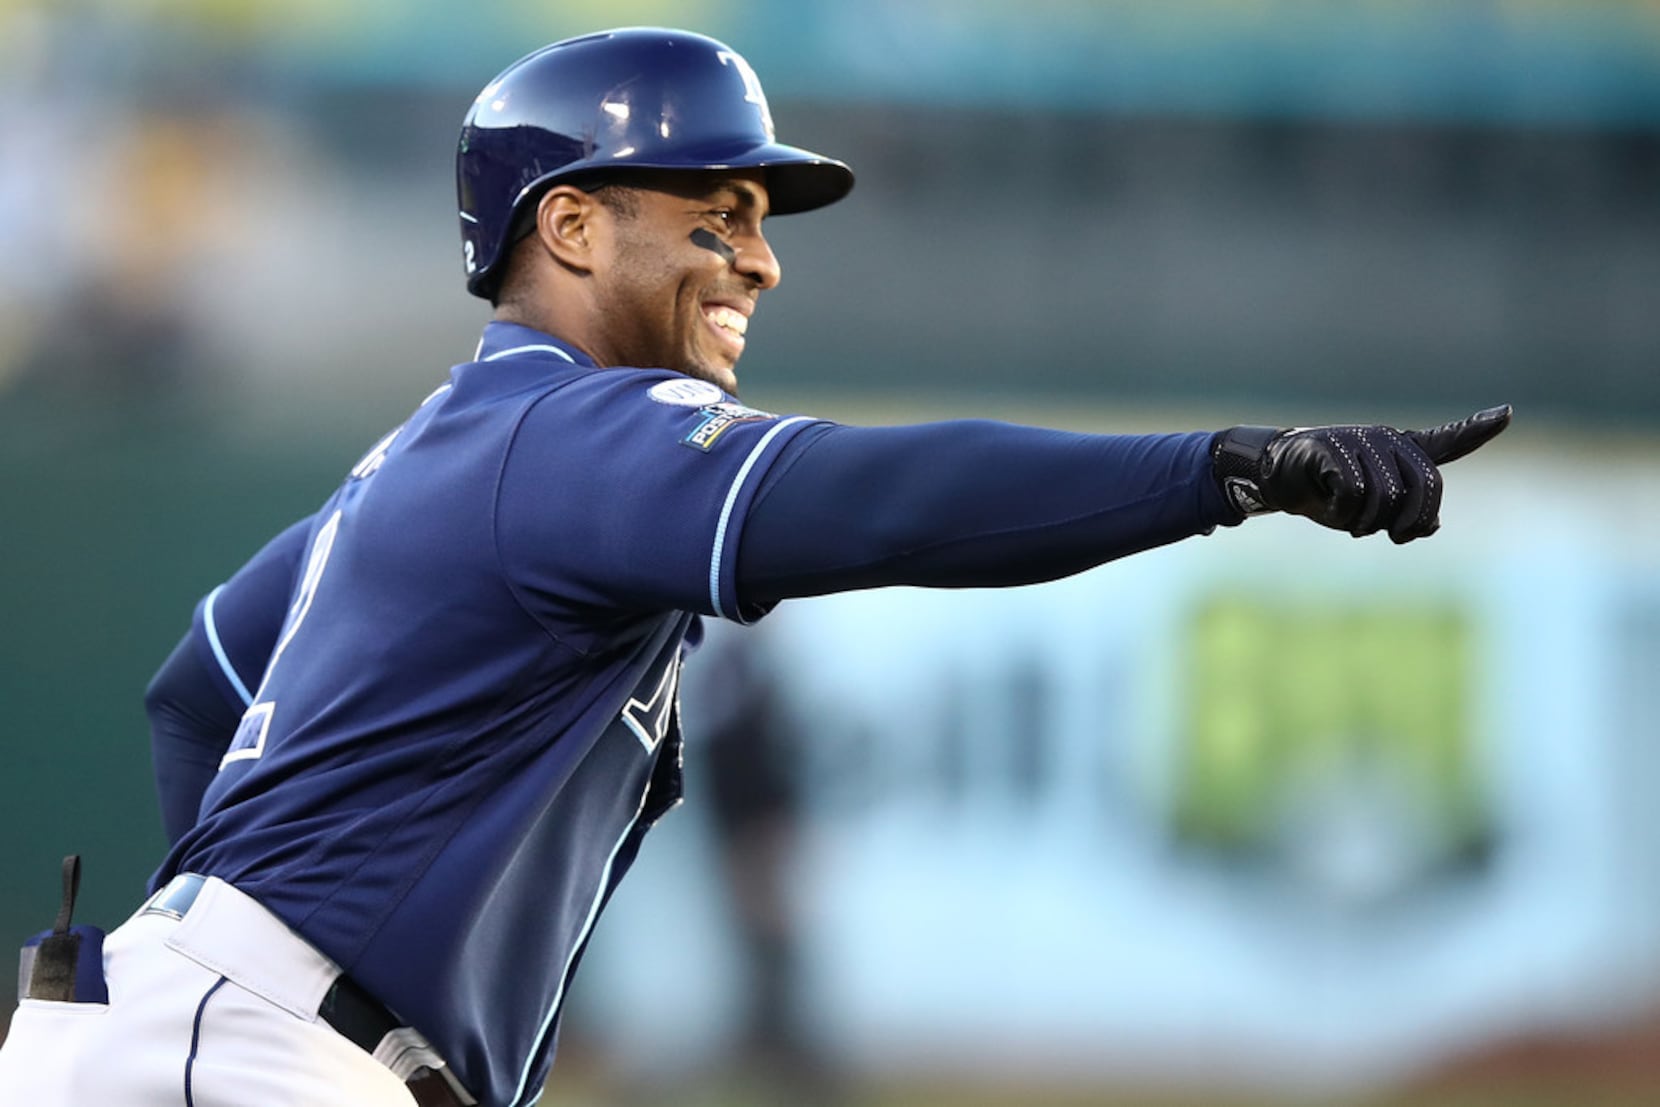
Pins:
x,y
1237,459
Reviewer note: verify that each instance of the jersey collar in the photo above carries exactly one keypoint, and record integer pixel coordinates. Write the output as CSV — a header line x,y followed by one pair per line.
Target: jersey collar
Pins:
x,y
510,340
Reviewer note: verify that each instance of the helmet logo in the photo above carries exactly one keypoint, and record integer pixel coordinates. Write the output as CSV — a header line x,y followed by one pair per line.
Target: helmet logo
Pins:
x,y
752,88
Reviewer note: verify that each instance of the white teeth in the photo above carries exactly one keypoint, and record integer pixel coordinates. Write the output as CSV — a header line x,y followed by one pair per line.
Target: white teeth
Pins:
x,y
735,321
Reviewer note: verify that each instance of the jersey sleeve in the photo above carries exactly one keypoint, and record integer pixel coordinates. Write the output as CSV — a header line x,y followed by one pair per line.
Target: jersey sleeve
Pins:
x,y
236,625
969,504
630,491
197,697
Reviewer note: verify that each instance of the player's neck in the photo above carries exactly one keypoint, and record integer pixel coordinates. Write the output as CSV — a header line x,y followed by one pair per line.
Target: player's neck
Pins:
x,y
546,322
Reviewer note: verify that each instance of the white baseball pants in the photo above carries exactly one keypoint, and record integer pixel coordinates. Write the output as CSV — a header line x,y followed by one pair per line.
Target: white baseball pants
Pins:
x,y
218,1009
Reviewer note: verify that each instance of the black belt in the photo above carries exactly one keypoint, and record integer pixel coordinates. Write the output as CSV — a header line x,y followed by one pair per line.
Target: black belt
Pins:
x,y
355,1015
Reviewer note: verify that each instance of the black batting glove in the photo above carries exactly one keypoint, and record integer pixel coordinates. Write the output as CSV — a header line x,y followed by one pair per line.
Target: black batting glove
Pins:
x,y
1361,479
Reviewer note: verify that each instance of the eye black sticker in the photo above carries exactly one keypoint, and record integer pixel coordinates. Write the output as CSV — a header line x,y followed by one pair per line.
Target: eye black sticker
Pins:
x,y
709,241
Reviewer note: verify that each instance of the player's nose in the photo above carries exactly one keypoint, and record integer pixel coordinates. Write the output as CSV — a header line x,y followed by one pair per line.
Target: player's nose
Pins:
x,y
756,261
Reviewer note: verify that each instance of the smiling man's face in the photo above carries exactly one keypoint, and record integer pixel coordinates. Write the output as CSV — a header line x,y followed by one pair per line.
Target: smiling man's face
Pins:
x,y
686,263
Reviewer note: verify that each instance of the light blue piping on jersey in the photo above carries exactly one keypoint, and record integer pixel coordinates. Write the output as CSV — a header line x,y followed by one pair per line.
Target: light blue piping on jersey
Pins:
x,y
499,354
581,940
726,512
219,649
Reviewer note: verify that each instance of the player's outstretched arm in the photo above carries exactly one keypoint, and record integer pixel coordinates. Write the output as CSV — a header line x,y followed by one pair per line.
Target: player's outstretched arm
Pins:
x,y
968,504
1361,479
987,505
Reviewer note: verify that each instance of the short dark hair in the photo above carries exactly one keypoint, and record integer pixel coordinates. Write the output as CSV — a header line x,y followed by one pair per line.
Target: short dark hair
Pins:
x,y
620,198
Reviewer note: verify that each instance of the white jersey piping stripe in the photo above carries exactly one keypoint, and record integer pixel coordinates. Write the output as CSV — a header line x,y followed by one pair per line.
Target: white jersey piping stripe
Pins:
x,y
726,512
582,940
499,354
219,649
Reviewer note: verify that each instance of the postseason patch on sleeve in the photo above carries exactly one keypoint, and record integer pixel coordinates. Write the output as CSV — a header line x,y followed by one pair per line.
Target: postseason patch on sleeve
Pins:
x,y
715,413
715,420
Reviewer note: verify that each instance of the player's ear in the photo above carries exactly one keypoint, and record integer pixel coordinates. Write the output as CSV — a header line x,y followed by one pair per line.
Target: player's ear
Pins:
x,y
566,224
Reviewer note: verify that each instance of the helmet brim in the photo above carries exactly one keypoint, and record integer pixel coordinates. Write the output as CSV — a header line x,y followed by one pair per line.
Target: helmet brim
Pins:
x,y
797,180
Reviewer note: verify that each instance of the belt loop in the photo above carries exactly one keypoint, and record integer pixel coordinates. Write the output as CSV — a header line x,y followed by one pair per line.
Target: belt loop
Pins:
x,y
176,897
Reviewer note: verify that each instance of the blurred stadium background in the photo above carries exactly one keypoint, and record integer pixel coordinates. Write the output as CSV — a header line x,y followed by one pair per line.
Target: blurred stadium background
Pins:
x,y
1270,817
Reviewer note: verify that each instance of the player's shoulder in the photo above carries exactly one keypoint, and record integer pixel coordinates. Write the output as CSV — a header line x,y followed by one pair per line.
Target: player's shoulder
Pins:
x,y
654,414
640,395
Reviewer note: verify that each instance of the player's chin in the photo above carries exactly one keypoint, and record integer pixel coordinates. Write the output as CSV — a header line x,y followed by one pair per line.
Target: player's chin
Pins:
x,y
723,375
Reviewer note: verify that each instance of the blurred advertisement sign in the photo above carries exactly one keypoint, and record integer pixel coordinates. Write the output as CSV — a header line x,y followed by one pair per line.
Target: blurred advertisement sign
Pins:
x,y
1332,744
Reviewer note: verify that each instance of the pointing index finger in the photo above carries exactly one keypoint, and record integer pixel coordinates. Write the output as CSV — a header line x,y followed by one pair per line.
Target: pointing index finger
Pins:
x,y
1451,441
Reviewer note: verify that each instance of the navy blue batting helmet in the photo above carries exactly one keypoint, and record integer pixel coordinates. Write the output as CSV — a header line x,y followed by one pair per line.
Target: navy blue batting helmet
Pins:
x,y
636,98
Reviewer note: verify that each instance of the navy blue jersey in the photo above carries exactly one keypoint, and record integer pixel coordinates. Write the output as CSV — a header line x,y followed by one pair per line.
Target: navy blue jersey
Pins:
x,y
429,725
468,719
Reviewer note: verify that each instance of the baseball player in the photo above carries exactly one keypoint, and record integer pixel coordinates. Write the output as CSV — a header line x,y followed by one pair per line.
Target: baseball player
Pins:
x,y
407,751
